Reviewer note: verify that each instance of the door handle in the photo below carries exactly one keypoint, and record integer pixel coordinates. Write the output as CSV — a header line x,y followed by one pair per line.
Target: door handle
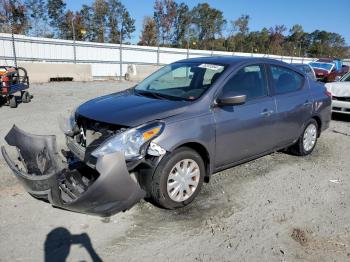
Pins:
x,y
266,112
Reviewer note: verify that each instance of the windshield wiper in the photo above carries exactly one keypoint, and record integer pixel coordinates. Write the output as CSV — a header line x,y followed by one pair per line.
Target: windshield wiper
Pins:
x,y
152,94
160,95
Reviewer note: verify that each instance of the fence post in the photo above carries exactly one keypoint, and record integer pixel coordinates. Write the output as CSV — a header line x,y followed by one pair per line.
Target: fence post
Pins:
x,y
13,43
121,53
158,50
74,46
121,61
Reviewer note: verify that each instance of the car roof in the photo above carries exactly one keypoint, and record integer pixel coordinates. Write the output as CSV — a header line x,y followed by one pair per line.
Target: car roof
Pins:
x,y
300,64
231,60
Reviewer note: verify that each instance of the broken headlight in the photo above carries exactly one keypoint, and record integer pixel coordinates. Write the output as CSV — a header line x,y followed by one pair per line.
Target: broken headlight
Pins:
x,y
130,142
67,124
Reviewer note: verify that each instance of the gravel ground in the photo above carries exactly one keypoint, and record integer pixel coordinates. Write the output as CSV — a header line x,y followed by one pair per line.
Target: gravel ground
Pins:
x,y
276,208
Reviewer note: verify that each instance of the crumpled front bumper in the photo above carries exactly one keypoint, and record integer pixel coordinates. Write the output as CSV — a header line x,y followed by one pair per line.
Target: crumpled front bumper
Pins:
x,y
46,175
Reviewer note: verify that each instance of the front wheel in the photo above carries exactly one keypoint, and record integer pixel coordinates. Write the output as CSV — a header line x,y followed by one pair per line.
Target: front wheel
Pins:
x,y
307,141
26,97
178,179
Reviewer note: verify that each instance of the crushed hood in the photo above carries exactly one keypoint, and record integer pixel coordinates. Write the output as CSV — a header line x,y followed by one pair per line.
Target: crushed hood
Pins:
x,y
129,109
340,89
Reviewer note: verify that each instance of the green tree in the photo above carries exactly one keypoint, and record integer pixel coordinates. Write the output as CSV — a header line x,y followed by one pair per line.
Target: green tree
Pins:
x,y
209,23
56,12
100,10
327,44
38,20
296,42
149,32
263,41
87,16
239,32
181,25
119,19
276,39
13,11
164,16
128,24
66,26
241,25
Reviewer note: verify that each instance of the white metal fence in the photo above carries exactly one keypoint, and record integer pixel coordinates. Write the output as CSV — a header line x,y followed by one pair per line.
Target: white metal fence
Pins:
x,y
105,59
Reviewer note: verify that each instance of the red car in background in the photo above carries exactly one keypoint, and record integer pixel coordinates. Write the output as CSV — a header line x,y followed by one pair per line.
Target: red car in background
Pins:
x,y
328,70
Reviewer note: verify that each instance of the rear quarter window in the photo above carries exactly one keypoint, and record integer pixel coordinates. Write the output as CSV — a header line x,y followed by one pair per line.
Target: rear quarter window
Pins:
x,y
286,80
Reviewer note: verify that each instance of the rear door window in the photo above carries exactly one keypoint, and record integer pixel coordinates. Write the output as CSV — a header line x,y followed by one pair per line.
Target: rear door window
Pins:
x,y
307,70
249,81
286,80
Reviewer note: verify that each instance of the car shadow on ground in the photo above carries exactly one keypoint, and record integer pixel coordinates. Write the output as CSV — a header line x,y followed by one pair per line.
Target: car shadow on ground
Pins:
x,y
59,240
4,102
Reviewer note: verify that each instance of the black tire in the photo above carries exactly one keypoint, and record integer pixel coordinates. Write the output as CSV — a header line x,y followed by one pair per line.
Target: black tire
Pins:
x,y
26,97
298,148
157,185
13,102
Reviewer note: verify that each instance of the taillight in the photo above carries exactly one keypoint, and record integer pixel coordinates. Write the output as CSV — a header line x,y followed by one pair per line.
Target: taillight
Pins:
x,y
5,81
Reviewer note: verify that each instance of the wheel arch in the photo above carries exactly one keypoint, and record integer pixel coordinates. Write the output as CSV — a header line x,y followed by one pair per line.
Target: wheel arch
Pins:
x,y
204,153
319,124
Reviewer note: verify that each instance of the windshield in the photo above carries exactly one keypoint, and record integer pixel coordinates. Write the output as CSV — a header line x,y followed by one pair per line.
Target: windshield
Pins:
x,y
324,66
182,81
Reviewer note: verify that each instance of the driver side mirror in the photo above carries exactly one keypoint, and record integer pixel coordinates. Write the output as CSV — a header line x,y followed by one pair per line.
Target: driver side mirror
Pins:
x,y
230,99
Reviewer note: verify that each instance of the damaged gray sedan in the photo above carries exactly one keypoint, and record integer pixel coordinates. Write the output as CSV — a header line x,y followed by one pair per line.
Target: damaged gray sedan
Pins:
x,y
163,138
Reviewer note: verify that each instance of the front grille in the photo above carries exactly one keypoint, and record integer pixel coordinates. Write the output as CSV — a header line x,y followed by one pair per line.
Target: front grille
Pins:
x,y
78,150
90,135
340,98
97,126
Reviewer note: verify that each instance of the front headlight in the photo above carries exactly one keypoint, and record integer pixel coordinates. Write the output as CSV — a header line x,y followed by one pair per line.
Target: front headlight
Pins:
x,y
130,142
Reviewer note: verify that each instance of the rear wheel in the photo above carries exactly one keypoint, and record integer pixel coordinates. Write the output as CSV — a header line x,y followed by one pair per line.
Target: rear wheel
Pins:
x,y
178,179
13,102
307,141
26,97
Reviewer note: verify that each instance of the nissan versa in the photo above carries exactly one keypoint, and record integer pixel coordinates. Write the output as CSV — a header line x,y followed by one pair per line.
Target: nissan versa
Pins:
x,y
163,138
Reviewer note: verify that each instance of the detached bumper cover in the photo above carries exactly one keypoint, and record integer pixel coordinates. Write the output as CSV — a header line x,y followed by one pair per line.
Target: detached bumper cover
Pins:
x,y
47,176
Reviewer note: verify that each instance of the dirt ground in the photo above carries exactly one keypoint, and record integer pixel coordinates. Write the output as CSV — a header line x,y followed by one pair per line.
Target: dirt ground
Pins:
x,y
276,208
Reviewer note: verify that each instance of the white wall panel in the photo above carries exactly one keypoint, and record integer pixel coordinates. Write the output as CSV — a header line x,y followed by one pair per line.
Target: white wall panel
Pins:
x,y
104,58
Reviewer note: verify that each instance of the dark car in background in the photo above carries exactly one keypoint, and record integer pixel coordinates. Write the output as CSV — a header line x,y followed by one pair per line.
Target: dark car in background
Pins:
x,y
167,135
328,70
